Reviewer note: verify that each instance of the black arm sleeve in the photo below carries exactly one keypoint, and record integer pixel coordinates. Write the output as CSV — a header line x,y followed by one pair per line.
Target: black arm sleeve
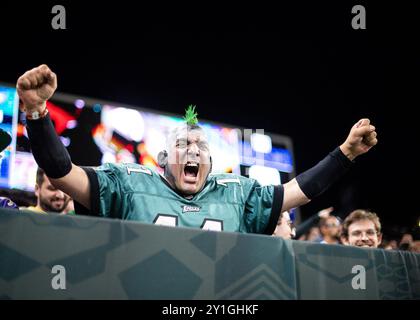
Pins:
x,y
316,180
47,149
94,195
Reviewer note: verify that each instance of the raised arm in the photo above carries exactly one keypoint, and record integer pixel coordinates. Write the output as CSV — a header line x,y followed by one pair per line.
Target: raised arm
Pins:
x,y
311,183
34,88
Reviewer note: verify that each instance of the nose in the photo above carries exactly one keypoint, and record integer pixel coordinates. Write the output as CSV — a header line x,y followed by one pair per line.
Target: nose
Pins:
x,y
364,236
59,194
194,149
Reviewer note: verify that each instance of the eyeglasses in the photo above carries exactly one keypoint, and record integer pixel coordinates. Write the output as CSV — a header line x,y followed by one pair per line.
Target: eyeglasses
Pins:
x,y
369,233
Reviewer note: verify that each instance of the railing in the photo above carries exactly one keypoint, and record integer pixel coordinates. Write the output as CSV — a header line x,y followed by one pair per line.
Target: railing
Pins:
x,y
74,257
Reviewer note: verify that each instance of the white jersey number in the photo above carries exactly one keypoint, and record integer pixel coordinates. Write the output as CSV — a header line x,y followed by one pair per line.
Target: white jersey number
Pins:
x,y
166,220
172,221
213,225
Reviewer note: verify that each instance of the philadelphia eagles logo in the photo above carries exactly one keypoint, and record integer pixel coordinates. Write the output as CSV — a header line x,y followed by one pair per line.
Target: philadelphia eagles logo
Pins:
x,y
190,209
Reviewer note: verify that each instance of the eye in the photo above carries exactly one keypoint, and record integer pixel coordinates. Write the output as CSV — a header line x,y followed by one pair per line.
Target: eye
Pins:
x,y
203,146
181,144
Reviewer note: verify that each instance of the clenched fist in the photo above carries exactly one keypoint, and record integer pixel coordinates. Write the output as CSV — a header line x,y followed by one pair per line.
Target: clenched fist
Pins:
x,y
35,87
361,139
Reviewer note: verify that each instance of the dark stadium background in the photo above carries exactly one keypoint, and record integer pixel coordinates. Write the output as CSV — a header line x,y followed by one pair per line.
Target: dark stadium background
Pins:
x,y
298,70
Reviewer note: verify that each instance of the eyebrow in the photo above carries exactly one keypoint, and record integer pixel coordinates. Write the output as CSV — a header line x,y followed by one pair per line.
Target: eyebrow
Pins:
x,y
367,230
199,140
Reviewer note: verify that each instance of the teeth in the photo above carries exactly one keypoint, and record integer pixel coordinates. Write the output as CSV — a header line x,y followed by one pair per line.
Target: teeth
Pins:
x,y
192,168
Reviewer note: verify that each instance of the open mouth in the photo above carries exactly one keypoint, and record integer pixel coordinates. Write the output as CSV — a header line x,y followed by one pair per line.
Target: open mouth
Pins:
x,y
191,170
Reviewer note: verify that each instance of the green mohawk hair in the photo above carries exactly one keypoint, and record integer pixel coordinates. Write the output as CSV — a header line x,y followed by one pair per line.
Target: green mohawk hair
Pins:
x,y
191,116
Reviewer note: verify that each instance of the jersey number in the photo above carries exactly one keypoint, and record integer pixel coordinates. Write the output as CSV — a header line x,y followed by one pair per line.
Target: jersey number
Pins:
x,y
171,220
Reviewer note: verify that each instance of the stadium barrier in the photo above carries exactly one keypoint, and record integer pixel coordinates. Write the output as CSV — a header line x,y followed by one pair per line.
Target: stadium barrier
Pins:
x,y
75,257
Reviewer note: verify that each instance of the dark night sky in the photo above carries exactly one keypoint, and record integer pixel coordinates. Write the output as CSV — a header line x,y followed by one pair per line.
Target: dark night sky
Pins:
x,y
297,70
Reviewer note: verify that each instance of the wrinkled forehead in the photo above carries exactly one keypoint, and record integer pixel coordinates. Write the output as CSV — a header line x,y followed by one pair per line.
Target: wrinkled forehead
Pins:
x,y
186,133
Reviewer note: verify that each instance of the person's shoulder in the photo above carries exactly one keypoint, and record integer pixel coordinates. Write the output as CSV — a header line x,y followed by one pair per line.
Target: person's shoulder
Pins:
x,y
126,168
229,178
35,209
128,171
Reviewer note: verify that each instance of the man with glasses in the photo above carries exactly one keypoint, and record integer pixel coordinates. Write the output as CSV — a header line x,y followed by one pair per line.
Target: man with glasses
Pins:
x,y
330,228
362,228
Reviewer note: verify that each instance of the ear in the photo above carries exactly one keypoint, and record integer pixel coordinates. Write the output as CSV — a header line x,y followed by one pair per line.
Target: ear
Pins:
x,y
163,159
37,190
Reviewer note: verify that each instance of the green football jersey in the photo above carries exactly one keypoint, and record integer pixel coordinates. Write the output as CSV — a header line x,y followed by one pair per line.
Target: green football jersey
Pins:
x,y
227,202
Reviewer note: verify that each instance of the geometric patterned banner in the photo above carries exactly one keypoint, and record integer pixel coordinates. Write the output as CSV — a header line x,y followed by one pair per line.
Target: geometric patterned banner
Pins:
x,y
76,257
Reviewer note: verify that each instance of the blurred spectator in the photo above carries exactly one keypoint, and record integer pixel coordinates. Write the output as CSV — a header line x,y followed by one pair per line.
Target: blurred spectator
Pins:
x,y
314,235
7,203
306,225
302,237
405,242
415,246
49,199
362,228
393,244
20,197
386,245
330,230
284,228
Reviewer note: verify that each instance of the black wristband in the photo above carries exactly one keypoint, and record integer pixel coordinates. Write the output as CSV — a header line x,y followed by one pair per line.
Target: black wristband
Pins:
x,y
47,149
316,180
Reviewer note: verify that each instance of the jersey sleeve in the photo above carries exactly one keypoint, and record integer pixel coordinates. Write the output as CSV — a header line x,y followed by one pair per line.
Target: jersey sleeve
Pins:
x,y
262,207
105,192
